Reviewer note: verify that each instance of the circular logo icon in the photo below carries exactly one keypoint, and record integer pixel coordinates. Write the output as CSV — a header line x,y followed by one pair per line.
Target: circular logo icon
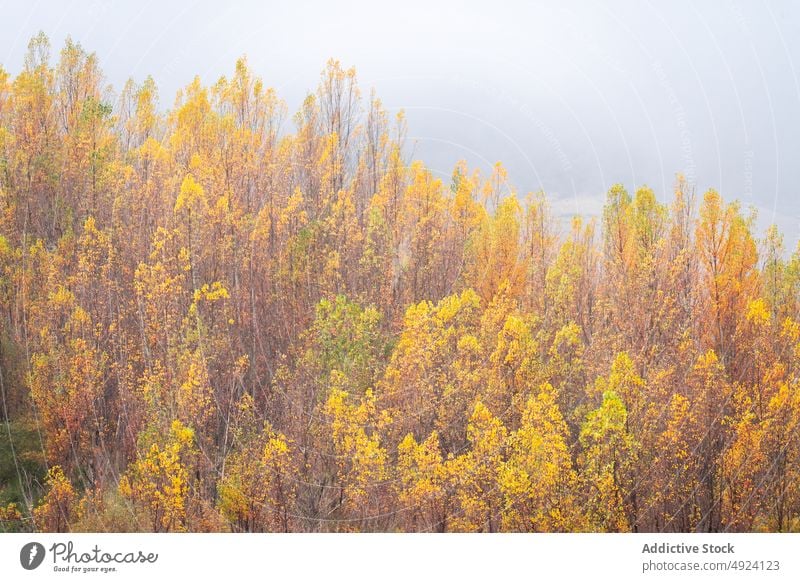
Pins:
x,y
31,555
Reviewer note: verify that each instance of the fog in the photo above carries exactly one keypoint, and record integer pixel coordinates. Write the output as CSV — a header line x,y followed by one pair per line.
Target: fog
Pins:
x,y
572,97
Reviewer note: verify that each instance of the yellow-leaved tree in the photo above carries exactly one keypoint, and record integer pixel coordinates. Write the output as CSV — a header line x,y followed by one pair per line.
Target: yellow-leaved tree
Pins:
x,y
257,488
157,482
538,480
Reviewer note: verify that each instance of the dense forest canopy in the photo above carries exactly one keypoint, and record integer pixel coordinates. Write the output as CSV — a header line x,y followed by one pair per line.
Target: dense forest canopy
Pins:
x,y
223,318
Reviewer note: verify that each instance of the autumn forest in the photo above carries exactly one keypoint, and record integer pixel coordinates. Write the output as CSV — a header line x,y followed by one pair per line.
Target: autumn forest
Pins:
x,y
219,315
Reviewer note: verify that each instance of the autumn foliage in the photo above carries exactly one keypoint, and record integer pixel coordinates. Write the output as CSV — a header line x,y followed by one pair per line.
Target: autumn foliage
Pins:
x,y
222,318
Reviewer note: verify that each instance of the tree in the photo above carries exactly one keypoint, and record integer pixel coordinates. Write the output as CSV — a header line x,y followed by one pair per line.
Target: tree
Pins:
x,y
66,383
58,507
361,459
711,395
257,490
538,480
496,252
476,472
677,469
729,257
437,354
424,483
606,462
216,322
157,483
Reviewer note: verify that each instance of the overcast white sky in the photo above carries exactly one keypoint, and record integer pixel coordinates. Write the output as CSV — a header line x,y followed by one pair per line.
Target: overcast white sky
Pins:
x,y
571,96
